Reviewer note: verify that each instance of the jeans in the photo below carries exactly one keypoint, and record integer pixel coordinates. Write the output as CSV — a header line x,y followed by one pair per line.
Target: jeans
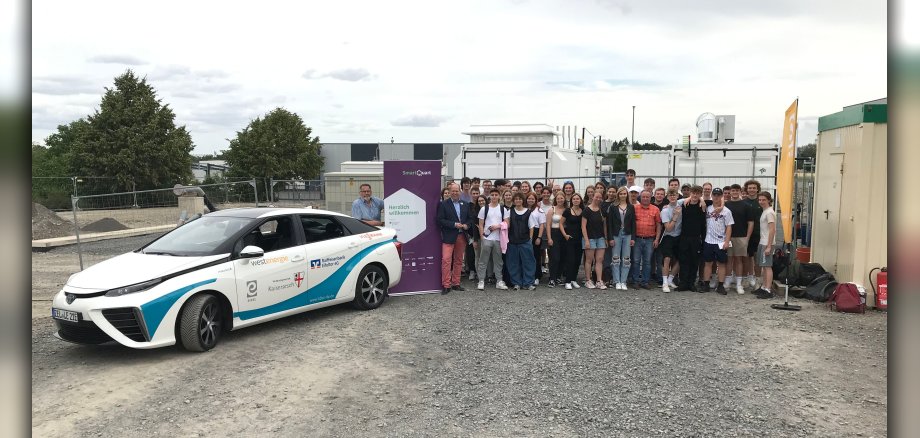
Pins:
x,y
521,263
452,261
490,251
643,254
620,257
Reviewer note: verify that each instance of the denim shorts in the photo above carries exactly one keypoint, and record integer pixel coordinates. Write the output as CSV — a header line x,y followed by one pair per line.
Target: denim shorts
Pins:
x,y
598,243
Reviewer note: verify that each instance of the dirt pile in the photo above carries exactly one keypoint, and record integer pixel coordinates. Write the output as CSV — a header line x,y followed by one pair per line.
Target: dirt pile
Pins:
x,y
104,225
47,224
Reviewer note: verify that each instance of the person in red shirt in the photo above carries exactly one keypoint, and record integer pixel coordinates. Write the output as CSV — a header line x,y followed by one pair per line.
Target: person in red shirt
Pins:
x,y
648,231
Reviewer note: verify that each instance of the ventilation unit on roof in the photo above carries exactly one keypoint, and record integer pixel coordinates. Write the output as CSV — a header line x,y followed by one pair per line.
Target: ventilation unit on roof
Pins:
x,y
711,128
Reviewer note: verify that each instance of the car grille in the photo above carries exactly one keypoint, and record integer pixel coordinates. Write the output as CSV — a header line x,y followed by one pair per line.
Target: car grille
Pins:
x,y
126,320
83,332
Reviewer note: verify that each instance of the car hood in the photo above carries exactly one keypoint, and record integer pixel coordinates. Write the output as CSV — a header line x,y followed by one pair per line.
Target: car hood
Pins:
x,y
132,268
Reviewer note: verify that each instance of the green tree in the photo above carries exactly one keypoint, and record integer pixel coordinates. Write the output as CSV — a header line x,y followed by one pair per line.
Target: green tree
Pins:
x,y
807,151
132,138
277,145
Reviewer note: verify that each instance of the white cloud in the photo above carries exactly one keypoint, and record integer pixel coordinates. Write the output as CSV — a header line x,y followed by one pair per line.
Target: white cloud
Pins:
x,y
117,59
488,62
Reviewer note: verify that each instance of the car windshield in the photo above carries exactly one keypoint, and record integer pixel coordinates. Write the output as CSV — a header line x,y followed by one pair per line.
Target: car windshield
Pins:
x,y
200,237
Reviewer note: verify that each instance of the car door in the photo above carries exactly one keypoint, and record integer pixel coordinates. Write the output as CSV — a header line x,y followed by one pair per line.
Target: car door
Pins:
x,y
329,246
271,283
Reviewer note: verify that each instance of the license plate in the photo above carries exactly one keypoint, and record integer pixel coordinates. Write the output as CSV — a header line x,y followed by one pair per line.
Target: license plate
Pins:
x,y
65,315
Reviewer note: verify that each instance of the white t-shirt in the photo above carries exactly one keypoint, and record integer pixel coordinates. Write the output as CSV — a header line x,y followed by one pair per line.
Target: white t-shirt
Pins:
x,y
495,217
766,218
537,218
716,223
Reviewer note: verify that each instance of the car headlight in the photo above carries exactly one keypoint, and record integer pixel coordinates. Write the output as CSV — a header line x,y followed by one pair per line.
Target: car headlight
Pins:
x,y
132,288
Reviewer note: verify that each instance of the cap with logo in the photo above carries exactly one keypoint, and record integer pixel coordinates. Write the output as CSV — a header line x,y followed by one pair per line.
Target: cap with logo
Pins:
x,y
717,191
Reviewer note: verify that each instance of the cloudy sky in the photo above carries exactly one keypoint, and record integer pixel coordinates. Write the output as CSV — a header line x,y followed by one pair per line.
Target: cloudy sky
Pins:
x,y
423,71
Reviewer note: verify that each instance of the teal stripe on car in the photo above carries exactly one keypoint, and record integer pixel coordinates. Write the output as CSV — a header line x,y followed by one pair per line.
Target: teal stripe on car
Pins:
x,y
155,310
324,291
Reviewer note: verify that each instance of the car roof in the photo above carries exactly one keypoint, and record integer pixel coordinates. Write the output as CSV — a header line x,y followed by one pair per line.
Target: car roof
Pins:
x,y
263,212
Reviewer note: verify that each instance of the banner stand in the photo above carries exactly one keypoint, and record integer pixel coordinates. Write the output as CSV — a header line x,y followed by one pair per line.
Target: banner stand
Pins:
x,y
412,190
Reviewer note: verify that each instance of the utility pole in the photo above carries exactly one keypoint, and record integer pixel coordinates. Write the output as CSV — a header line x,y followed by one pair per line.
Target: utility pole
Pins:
x,y
632,139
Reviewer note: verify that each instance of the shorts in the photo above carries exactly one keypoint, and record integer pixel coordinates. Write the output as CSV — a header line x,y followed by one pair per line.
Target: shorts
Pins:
x,y
764,261
668,247
714,253
598,243
739,247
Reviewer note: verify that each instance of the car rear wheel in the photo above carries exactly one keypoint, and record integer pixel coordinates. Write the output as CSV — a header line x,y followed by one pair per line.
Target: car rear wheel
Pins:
x,y
199,324
371,290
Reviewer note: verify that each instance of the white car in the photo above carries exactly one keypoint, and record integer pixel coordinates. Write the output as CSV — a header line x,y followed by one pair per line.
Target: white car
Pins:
x,y
227,270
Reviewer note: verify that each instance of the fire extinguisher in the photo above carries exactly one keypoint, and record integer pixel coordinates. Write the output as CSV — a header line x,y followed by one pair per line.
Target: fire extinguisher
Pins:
x,y
881,292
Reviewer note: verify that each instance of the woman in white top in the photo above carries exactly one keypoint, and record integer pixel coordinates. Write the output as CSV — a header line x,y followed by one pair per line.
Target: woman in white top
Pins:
x,y
557,237
538,221
764,254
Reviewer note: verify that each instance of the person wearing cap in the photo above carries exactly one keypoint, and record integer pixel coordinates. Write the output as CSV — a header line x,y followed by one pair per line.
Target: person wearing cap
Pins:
x,y
719,223
634,267
684,191
667,245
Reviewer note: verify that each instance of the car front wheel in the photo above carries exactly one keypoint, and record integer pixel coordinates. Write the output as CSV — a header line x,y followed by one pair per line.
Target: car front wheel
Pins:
x,y
371,290
200,324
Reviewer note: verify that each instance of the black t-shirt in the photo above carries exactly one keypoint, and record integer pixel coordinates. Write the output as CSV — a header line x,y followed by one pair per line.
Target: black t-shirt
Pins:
x,y
572,223
708,202
595,226
741,213
693,221
756,211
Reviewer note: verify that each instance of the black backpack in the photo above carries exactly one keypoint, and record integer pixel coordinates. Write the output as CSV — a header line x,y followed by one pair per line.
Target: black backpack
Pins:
x,y
821,288
486,214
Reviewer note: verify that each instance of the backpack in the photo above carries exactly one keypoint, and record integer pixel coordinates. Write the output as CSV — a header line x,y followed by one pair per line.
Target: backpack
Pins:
x,y
486,215
820,289
846,298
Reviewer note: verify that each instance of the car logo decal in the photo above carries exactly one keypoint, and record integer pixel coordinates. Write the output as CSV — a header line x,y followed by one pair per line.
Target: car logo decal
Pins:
x,y
253,287
314,264
70,297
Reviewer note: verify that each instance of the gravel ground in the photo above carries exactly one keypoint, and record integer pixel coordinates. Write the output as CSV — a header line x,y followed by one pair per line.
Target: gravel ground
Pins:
x,y
493,363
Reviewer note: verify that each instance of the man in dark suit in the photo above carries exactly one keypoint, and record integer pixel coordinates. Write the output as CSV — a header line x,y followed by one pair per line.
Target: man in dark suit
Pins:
x,y
454,219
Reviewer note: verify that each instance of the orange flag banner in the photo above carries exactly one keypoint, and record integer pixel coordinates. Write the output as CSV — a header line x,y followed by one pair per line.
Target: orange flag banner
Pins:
x,y
786,172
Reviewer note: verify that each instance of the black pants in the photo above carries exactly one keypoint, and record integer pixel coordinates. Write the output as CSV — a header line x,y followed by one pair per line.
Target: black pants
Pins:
x,y
538,254
571,257
470,257
688,253
555,254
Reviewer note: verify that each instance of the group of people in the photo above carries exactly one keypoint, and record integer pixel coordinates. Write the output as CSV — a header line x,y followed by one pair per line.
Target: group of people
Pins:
x,y
679,237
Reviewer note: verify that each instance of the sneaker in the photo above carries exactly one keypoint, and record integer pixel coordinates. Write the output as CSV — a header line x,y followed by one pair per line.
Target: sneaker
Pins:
x,y
481,285
672,284
458,288
765,295
589,284
601,286
752,281
665,288
740,289
515,287
576,285
472,275
501,285
536,282
721,290
531,287
568,286
551,284
644,286
705,287
545,270
729,280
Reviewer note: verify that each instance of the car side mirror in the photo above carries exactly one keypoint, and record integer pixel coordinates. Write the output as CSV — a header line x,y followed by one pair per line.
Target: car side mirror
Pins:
x,y
251,252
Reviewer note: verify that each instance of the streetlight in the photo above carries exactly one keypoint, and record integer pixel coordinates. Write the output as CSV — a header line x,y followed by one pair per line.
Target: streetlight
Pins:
x,y
632,139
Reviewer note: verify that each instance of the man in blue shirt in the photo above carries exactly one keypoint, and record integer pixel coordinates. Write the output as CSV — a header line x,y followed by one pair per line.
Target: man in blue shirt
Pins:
x,y
367,208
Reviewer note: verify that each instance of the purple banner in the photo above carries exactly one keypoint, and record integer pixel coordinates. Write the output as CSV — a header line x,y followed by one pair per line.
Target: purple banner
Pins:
x,y
412,190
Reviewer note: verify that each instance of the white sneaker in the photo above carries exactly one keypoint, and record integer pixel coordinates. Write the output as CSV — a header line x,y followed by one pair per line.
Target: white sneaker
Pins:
x,y
740,288
665,288
672,284
568,285
623,286
601,285
729,280
501,285
576,285
752,281
589,284
536,282
481,285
